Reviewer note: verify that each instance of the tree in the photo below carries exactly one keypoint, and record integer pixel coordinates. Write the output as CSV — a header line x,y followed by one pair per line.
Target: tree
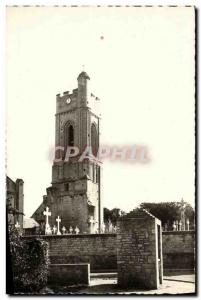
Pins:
x,y
168,212
113,215
29,263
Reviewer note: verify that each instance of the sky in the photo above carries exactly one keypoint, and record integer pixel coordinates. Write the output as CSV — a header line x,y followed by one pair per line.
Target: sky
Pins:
x,y
141,65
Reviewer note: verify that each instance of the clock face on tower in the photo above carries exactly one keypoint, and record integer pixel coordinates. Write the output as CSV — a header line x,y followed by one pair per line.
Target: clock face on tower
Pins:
x,y
68,101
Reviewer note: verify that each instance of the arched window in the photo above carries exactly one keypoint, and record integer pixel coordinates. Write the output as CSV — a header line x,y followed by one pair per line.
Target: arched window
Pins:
x,y
68,135
94,140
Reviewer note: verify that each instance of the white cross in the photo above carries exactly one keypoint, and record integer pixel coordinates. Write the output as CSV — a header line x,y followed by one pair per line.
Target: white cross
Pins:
x,y
54,229
17,225
58,221
187,222
63,229
70,229
182,203
77,230
91,220
103,228
180,224
47,213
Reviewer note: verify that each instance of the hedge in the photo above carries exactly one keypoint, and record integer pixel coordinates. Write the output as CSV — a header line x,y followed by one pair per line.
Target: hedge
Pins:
x,y
29,263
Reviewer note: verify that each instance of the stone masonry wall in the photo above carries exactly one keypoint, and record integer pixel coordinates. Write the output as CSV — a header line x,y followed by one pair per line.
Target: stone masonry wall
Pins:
x,y
137,253
65,274
99,250
178,249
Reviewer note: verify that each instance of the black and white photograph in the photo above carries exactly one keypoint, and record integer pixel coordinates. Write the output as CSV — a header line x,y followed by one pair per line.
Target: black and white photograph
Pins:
x,y
100,185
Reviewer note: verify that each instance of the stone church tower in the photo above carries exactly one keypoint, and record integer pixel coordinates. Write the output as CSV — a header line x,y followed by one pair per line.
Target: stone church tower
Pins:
x,y
75,191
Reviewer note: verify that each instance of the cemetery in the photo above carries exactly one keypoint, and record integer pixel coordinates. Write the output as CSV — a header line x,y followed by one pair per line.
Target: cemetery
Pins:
x,y
74,249
136,252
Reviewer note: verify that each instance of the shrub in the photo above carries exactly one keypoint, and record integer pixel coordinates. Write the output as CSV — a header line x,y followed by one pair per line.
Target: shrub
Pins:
x,y
29,263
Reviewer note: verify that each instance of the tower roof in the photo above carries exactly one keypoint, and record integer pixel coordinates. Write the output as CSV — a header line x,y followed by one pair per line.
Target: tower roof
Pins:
x,y
83,74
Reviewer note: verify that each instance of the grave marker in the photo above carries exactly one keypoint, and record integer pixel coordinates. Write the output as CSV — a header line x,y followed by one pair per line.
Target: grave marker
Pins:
x,y
47,213
58,221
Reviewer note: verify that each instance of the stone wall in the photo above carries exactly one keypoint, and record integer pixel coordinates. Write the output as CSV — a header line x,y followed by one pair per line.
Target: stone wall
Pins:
x,y
99,250
178,249
139,258
65,274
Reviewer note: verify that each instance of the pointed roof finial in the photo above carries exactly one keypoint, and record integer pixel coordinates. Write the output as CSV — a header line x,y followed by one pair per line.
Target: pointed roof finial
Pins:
x,y
83,74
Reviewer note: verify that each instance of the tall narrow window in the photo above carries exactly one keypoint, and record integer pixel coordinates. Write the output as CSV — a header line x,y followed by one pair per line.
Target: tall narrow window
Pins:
x,y
67,187
70,135
94,140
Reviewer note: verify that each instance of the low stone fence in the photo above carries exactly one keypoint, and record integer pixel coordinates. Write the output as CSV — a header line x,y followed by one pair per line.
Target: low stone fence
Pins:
x,y
65,274
100,250
178,250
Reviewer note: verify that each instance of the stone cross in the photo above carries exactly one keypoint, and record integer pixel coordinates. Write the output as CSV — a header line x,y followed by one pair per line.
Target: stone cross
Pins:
x,y
63,230
47,213
110,226
177,225
183,214
54,229
77,230
91,224
180,224
17,225
58,221
103,228
71,230
187,222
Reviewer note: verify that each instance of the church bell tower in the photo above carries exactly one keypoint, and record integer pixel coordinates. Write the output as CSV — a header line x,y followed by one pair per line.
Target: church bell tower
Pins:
x,y
75,191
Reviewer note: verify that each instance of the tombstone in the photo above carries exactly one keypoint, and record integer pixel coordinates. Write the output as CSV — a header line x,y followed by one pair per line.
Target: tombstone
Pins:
x,y
180,224
17,226
58,229
114,229
139,251
47,213
63,230
77,230
91,224
54,230
183,205
166,227
70,230
110,226
187,223
96,229
174,227
177,225
103,228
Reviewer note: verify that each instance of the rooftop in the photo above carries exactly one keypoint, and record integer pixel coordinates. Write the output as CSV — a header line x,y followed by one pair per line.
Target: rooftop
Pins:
x,y
83,74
